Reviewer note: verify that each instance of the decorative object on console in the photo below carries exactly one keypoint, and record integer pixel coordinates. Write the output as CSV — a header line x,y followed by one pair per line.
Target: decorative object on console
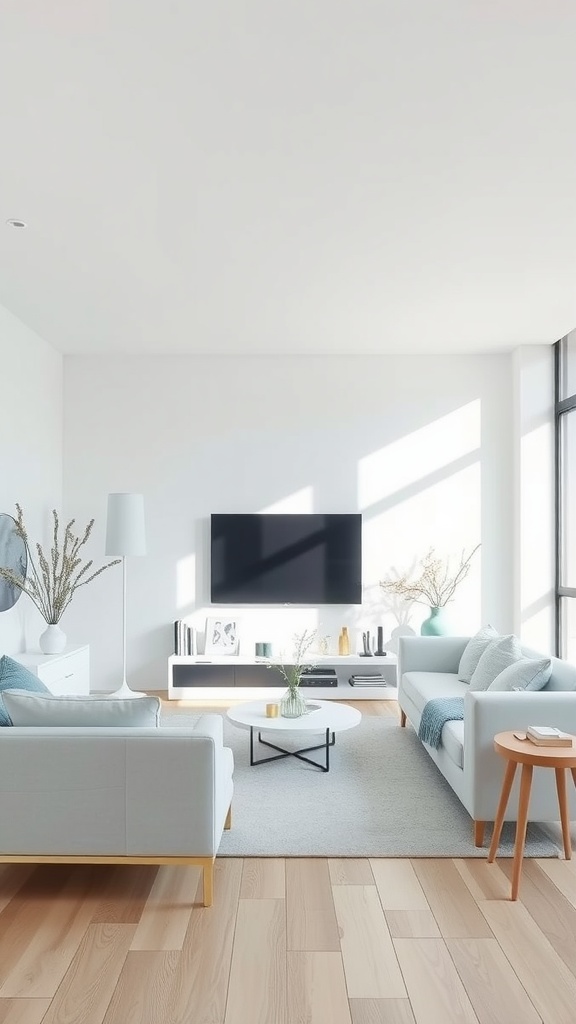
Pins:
x,y
435,586
51,581
344,642
380,652
125,535
324,644
293,704
367,652
14,556
263,650
221,636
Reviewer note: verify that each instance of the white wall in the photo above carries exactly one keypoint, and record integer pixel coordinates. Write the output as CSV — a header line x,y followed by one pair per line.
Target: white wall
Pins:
x,y
422,446
30,452
534,553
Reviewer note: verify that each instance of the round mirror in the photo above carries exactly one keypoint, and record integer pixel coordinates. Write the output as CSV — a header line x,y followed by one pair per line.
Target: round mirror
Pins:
x,y
13,555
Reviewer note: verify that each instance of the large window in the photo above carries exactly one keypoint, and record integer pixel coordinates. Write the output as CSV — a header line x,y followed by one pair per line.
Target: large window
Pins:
x,y
566,497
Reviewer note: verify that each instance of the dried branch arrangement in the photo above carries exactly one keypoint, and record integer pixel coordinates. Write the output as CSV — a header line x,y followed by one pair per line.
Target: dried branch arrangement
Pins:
x,y
52,580
436,583
292,673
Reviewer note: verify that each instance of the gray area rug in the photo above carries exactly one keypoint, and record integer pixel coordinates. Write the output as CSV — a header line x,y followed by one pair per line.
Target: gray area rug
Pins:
x,y
383,797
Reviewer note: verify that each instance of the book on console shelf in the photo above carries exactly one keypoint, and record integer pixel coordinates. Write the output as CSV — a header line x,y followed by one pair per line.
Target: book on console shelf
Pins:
x,y
361,679
546,736
183,638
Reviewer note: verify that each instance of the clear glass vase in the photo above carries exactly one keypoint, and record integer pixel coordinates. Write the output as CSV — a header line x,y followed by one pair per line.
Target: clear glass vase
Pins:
x,y
292,704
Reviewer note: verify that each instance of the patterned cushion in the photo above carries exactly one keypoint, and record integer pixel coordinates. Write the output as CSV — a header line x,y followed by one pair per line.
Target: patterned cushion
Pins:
x,y
526,674
473,651
13,676
498,655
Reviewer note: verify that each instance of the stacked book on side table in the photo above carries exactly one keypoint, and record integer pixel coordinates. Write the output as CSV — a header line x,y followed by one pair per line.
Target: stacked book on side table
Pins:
x,y
545,736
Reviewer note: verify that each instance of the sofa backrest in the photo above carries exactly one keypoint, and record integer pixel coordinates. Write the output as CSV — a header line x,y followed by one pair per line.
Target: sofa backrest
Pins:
x,y
563,673
442,654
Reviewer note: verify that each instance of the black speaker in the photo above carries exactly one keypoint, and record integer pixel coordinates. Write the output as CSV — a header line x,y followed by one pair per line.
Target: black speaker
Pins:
x,y
380,648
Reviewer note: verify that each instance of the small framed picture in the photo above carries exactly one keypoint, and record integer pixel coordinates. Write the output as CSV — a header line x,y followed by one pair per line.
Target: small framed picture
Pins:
x,y
221,636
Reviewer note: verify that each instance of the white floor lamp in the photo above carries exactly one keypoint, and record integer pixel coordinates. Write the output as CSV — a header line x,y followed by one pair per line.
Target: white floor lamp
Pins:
x,y
125,535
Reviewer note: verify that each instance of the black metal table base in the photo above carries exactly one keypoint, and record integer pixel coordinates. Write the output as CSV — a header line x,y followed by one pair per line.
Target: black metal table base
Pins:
x,y
325,746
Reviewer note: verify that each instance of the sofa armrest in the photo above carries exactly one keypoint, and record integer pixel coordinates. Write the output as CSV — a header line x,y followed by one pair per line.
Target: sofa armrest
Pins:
x,y
211,725
487,713
430,653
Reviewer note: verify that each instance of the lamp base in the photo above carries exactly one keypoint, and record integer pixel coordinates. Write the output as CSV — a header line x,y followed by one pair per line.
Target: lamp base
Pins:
x,y
126,692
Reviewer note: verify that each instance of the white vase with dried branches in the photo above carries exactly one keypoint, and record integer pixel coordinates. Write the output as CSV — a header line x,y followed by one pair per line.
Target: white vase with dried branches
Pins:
x,y
52,580
435,585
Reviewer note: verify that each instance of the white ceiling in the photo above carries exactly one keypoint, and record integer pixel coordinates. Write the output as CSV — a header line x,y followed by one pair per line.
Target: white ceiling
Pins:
x,y
306,176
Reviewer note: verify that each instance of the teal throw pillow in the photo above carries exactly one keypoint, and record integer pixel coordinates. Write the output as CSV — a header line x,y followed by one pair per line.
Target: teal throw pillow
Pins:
x,y
526,674
13,676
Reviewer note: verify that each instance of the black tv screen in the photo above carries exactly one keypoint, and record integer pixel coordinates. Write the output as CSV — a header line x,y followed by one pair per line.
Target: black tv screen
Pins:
x,y
286,559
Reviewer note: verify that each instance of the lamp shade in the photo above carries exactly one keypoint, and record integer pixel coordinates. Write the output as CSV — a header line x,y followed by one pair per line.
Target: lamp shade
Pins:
x,y
125,533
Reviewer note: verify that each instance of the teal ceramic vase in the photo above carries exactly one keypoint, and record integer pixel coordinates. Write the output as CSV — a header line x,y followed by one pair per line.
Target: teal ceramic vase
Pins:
x,y
436,623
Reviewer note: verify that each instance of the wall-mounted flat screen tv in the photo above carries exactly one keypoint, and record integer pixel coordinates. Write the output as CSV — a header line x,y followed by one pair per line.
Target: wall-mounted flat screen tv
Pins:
x,y
286,559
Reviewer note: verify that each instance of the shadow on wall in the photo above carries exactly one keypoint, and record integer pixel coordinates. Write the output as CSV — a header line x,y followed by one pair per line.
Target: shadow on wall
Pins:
x,y
397,632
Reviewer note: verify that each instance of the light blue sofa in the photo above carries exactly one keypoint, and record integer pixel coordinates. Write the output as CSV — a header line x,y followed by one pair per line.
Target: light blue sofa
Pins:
x,y
428,668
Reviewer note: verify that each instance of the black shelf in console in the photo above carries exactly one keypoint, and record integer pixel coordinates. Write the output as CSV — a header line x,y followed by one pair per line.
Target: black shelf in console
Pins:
x,y
211,674
203,675
258,675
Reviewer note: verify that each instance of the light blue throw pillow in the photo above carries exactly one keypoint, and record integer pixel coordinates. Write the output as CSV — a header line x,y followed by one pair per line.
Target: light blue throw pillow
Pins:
x,y
526,674
13,676
473,651
498,655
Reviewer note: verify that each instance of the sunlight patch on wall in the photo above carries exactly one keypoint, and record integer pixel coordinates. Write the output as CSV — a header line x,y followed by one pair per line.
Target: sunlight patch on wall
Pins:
x,y
404,463
421,492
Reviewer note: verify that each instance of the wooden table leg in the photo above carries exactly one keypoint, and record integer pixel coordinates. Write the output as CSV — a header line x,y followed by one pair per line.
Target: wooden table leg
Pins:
x,y
525,785
564,815
502,805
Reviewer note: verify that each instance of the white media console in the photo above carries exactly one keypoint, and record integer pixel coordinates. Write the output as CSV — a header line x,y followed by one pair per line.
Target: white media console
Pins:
x,y
203,677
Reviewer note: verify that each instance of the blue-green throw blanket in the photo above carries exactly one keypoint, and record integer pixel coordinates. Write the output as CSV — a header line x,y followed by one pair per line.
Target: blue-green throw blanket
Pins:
x,y
435,715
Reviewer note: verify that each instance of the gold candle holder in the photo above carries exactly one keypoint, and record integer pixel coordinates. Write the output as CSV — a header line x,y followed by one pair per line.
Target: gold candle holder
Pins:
x,y
272,710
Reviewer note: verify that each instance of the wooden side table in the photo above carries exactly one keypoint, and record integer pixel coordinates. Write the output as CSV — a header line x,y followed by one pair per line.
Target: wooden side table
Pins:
x,y
529,755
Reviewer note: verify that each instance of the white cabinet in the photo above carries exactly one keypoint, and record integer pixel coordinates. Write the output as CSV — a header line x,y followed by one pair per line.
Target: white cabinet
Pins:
x,y
234,677
68,672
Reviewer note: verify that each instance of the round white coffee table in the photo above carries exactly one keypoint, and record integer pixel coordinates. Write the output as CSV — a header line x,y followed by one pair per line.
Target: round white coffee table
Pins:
x,y
328,719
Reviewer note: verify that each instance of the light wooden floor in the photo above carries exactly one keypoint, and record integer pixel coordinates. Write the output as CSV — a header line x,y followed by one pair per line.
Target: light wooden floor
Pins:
x,y
299,941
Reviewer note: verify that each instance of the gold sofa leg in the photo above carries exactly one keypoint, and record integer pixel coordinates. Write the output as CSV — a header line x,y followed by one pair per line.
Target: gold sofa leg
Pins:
x,y
402,718
228,822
